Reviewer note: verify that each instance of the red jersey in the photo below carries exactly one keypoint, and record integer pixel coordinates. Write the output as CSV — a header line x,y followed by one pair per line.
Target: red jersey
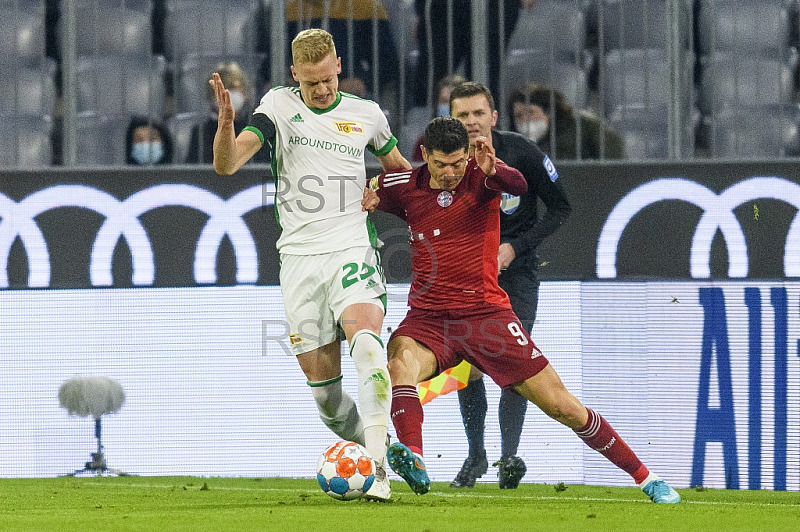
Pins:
x,y
454,236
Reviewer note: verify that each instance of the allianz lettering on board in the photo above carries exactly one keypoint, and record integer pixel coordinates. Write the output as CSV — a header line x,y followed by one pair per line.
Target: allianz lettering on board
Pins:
x,y
716,420
700,377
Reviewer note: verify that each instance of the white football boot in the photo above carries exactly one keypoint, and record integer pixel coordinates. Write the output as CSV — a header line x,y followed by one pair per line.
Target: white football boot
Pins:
x,y
380,490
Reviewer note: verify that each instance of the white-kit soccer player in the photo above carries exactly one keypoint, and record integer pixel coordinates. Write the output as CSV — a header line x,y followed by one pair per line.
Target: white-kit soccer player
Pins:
x,y
330,276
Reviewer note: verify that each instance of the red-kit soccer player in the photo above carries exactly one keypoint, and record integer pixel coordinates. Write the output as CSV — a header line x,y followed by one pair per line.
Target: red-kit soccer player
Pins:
x,y
458,311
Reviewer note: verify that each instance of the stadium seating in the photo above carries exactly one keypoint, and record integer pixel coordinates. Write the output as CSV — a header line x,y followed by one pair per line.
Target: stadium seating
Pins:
x,y
731,79
532,65
120,85
556,26
413,127
762,27
634,23
644,130
637,23
117,76
101,138
756,131
180,127
108,29
404,21
28,91
21,35
27,86
747,76
211,27
642,77
31,146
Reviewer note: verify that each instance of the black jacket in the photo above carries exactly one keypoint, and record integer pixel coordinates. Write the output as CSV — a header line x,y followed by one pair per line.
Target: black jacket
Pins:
x,y
522,227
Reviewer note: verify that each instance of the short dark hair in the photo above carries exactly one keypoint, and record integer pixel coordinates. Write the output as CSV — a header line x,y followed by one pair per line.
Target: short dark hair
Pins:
x,y
446,134
469,89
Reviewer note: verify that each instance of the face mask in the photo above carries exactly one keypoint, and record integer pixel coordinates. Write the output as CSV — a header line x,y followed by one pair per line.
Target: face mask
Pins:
x,y
237,100
534,130
443,109
147,152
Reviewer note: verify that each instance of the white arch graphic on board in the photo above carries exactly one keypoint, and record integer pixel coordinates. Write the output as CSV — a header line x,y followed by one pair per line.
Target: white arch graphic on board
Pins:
x,y
718,214
122,220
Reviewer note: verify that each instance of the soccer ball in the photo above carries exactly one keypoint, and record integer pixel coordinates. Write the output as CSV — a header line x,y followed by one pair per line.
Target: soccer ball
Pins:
x,y
345,471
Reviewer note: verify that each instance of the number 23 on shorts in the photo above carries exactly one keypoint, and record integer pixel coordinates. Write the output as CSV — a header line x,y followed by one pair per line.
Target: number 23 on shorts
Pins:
x,y
354,273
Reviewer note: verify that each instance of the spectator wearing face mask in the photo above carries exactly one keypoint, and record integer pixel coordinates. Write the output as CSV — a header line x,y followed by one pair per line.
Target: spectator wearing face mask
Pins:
x,y
443,89
147,142
201,144
544,116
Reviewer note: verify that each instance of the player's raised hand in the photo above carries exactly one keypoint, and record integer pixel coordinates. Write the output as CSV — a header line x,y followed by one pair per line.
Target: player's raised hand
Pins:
x,y
226,111
369,200
485,155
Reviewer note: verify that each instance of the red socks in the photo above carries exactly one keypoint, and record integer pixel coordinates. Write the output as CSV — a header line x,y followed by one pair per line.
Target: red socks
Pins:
x,y
602,437
407,417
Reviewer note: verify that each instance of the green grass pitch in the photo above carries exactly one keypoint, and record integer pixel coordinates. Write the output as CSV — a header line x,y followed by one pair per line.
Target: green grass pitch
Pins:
x,y
166,504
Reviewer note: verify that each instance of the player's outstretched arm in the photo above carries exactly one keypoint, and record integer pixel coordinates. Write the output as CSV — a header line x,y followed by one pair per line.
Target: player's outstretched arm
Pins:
x,y
394,160
230,152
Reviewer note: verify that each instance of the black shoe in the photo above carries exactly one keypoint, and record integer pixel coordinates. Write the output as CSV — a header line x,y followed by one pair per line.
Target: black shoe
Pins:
x,y
472,470
511,471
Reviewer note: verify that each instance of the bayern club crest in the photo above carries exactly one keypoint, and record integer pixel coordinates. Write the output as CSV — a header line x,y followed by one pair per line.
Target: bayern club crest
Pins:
x,y
444,199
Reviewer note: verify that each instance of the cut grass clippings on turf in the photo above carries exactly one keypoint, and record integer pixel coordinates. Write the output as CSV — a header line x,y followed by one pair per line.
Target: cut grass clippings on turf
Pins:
x,y
241,504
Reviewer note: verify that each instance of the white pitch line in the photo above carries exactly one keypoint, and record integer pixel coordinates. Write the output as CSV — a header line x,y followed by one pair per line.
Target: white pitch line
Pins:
x,y
464,495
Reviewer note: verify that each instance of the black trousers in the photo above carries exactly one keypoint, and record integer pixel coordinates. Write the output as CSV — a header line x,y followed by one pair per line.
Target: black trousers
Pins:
x,y
523,291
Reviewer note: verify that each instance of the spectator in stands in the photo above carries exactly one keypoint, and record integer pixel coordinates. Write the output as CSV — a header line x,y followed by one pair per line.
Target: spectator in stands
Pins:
x,y
201,144
443,89
459,47
334,16
147,142
354,86
578,134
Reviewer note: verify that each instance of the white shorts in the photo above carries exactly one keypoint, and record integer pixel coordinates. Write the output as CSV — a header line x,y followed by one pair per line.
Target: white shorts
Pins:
x,y
317,288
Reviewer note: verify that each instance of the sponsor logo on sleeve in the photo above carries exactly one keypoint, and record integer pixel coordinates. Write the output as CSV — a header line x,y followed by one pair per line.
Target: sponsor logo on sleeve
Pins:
x,y
551,168
509,203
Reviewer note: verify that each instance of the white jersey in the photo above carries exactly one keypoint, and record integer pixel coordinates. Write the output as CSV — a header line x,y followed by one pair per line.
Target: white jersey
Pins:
x,y
318,156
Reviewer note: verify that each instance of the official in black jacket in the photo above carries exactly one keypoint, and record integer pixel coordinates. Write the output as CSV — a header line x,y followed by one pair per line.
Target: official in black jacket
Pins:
x,y
521,232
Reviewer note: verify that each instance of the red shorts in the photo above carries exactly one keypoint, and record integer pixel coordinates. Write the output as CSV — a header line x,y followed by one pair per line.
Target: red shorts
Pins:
x,y
489,337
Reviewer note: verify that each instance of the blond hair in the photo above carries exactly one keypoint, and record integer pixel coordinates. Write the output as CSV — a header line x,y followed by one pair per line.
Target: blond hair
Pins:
x,y
312,46
231,74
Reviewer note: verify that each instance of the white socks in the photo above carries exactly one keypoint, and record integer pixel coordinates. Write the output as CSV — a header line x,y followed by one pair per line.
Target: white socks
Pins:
x,y
650,478
374,390
338,410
